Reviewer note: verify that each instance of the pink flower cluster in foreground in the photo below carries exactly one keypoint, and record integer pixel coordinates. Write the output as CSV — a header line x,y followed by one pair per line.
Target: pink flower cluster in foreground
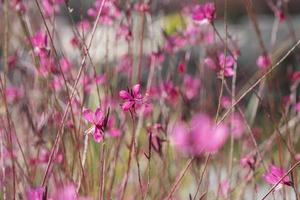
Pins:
x,y
200,135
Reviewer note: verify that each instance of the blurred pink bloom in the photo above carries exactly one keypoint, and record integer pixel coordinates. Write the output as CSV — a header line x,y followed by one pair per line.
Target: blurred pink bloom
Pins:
x,y
124,32
65,64
248,161
35,193
40,43
274,174
100,79
223,63
13,94
132,97
191,86
204,13
199,136
18,5
142,7
238,127
67,193
84,25
264,61
157,57
224,188
297,107
98,119
226,102
295,76
51,6
57,83
110,11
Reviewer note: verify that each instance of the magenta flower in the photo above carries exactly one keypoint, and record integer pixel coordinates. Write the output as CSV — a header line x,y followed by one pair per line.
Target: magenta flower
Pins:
x,y
204,13
132,97
223,63
274,174
264,61
99,120
191,86
35,193
40,44
248,161
51,6
13,94
199,136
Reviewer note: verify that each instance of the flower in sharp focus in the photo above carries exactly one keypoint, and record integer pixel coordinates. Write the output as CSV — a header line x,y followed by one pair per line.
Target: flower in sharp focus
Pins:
x,y
132,97
204,13
274,174
99,120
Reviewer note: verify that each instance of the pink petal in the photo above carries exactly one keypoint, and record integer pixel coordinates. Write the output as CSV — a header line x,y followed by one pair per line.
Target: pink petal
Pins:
x,y
136,89
97,135
99,116
124,95
127,105
88,115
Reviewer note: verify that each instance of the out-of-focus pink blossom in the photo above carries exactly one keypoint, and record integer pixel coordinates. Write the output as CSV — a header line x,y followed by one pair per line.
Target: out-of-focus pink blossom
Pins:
x,y
238,127
274,174
226,102
132,97
248,161
124,32
13,94
199,136
65,64
224,188
18,5
264,61
204,13
67,193
40,43
35,193
280,15
84,25
191,86
51,6
223,63
157,57
181,67
98,119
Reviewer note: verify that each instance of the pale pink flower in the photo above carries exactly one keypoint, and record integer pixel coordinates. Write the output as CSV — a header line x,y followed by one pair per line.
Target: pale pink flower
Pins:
x,y
51,6
238,126
223,63
224,188
204,13
40,43
191,86
199,136
274,174
13,94
248,161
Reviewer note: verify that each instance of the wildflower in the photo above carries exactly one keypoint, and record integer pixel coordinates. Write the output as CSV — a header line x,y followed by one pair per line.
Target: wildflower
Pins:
x,y
223,63
40,44
264,61
65,64
204,13
274,174
13,94
132,97
51,6
191,86
238,127
18,5
248,161
99,120
199,136
224,188
35,193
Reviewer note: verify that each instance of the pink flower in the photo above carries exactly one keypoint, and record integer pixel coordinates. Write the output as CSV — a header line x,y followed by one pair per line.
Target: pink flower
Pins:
x,y
67,193
199,136
51,6
99,120
280,15
35,193
181,67
238,127
224,188
18,5
223,63
132,97
264,61
274,174
226,63
13,94
191,86
84,25
124,32
204,13
65,64
248,161
40,44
